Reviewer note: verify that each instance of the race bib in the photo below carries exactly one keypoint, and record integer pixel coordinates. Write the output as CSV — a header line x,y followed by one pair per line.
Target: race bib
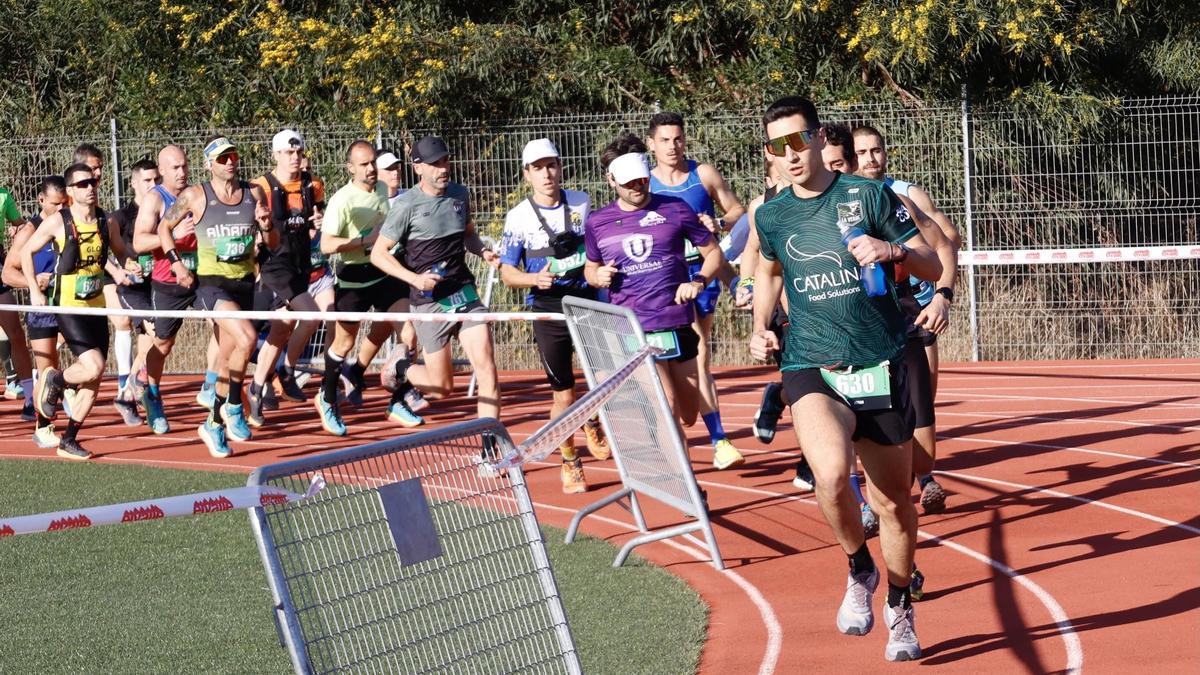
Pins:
x,y
666,340
863,388
690,251
88,286
316,258
465,296
568,264
189,259
146,262
233,249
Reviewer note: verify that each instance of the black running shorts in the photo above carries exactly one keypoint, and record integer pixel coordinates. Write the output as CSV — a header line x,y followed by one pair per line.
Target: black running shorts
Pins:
x,y
884,427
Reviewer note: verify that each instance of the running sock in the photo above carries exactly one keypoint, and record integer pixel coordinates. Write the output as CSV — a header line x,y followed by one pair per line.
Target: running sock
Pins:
x,y
861,562
235,392
153,389
210,378
925,480
214,415
333,371
712,420
123,346
357,370
854,485
899,596
27,387
72,430
42,421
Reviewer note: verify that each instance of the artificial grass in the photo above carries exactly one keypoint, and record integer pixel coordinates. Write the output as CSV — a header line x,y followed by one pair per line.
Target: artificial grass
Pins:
x,y
190,594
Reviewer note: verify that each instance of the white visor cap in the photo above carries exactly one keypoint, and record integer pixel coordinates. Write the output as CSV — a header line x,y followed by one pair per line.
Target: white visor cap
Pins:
x,y
627,167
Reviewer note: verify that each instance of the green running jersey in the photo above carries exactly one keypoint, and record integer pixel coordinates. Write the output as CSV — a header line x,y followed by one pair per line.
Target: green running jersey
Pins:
x,y
833,322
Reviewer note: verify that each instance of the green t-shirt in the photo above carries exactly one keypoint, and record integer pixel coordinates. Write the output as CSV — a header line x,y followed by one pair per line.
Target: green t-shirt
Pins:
x,y
353,212
9,213
833,322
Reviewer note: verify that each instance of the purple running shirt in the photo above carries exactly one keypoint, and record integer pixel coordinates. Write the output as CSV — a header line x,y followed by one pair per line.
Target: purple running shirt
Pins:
x,y
647,247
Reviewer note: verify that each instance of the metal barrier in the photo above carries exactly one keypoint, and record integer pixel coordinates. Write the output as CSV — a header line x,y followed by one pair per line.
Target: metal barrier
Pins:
x,y
648,448
411,560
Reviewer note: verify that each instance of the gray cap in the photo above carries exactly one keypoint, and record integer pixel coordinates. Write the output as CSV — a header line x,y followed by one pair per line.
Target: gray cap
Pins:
x,y
429,150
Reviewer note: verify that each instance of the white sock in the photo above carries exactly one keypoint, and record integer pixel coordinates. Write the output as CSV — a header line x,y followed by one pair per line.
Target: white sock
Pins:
x,y
123,344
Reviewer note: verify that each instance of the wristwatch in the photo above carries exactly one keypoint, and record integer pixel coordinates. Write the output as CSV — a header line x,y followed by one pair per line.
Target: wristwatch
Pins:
x,y
903,255
700,279
946,292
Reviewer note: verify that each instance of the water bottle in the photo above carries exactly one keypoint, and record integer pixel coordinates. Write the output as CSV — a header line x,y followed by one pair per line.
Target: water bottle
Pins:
x,y
871,274
438,269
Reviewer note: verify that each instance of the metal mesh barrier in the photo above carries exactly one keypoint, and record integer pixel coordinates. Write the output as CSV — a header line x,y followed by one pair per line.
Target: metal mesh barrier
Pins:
x,y
648,447
412,560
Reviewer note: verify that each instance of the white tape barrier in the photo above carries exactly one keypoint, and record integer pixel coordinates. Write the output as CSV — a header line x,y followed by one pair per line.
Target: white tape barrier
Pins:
x,y
444,317
547,439
1047,256
155,509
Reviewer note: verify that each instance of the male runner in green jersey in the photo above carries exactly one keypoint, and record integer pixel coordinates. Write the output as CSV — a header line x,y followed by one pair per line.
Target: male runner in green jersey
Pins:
x,y
843,371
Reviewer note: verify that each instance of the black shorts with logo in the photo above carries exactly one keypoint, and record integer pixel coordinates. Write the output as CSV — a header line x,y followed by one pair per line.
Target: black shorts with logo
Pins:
x,y
892,426
689,345
137,296
83,333
379,296
213,289
172,298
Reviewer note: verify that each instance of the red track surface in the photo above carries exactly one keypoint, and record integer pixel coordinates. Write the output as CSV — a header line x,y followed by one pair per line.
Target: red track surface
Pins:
x,y
1071,537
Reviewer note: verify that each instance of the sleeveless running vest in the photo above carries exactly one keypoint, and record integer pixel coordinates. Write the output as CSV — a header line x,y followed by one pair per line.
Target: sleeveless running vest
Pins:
x,y
225,235
919,289
185,246
692,191
295,243
82,249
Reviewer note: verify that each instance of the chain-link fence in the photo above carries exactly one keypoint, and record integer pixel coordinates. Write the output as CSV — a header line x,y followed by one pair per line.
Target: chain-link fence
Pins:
x,y
1110,174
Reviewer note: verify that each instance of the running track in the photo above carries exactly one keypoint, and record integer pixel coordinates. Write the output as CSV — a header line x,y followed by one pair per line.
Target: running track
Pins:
x,y
1071,539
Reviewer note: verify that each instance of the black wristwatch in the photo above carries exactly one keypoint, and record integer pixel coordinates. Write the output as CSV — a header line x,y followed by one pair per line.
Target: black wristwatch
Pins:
x,y
946,292
700,279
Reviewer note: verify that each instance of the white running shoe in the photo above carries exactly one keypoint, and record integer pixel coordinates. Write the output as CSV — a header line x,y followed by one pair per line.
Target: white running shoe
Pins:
x,y
902,634
854,617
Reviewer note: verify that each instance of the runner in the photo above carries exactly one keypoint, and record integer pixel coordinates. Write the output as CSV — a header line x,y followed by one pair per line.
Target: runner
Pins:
x,y
133,288
228,214
635,248
352,224
165,291
543,250
391,179
43,328
927,306
701,186
432,227
296,201
82,237
834,324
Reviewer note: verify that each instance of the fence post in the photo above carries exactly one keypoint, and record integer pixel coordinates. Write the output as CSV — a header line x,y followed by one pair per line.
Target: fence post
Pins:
x,y
378,134
972,299
116,163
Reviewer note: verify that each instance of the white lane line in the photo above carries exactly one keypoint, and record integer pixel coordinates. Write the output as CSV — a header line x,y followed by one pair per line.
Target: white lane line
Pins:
x,y
1149,423
1065,628
1014,397
1160,384
968,478
1030,367
1049,446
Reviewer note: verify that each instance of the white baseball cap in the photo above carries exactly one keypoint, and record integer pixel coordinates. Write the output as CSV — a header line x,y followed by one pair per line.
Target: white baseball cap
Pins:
x,y
286,140
540,148
386,160
627,167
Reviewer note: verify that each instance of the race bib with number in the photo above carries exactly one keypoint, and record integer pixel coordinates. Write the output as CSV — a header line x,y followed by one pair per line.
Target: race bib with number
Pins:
x,y
465,296
690,251
233,249
568,264
146,262
189,259
666,340
863,388
88,286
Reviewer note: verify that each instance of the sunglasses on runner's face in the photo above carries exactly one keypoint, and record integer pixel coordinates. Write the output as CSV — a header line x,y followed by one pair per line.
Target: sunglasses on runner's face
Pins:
x,y
85,183
636,183
797,141
228,158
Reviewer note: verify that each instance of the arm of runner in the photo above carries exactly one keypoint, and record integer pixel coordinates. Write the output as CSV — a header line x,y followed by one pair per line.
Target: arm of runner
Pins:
x,y
474,244
50,228
743,295
718,190
768,282
600,276
262,215
145,234
122,273
381,257
923,202
713,260
175,217
13,274
514,277
935,317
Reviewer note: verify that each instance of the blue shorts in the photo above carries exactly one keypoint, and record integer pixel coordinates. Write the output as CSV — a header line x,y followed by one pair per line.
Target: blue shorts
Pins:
x,y
706,299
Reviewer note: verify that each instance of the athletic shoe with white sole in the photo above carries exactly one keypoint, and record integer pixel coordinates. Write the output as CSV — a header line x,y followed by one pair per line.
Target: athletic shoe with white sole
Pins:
x,y
597,442
287,382
854,616
399,413
71,449
902,634
573,480
128,412
214,438
155,419
46,394
489,454
396,363
207,396
44,437
766,418
725,456
235,422
804,480
330,419
415,400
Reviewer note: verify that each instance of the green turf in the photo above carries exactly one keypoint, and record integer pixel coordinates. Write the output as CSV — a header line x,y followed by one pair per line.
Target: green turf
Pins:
x,y
189,594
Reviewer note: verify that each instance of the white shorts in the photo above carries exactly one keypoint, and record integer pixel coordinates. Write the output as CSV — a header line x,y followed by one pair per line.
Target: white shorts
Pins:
x,y
325,283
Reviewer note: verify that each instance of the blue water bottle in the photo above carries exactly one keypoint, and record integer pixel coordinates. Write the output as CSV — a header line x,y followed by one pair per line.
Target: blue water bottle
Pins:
x,y
438,269
871,274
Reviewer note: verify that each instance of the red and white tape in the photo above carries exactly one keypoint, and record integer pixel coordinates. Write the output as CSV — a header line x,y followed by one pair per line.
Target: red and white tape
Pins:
x,y
547,439
1047,256
216,501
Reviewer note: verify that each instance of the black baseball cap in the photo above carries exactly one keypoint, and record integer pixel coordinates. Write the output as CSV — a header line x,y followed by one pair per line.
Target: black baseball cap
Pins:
x,y
429,150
